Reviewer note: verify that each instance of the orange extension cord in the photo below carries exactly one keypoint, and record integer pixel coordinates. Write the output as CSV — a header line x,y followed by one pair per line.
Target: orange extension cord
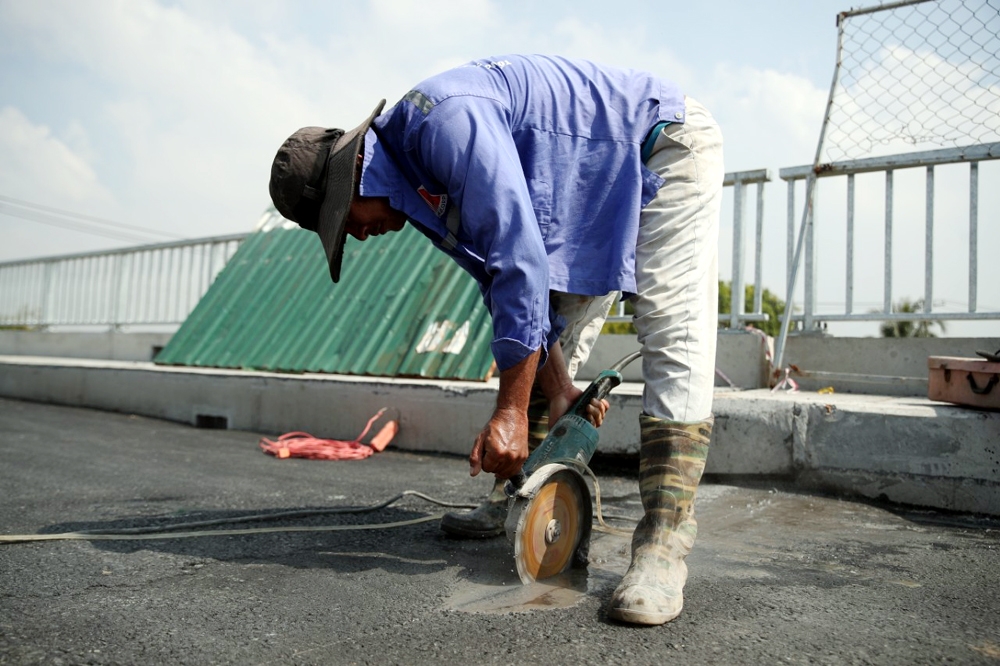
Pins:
x,y
304,445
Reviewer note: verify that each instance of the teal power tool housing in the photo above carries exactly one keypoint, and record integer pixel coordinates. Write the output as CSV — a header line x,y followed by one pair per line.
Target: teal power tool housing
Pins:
x,y
549,515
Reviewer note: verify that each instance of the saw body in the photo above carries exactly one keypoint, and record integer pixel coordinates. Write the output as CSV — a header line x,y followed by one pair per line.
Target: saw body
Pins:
x,y
549,515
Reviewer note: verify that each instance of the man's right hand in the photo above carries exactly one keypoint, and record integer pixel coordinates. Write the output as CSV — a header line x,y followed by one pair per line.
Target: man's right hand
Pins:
x,y
502,445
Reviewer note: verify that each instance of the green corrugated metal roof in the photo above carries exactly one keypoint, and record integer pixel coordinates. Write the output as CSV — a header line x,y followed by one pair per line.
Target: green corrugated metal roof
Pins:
x,y
401,309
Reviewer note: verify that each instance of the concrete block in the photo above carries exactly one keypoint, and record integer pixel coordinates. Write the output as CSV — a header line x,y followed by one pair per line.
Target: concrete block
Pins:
x,y
907,450
877,366
752,435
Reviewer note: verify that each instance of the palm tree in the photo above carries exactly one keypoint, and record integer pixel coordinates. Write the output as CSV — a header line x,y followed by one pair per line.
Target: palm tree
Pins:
x,y
915,328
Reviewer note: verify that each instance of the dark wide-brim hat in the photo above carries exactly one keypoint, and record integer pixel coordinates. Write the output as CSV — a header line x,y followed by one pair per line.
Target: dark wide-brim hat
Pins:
x,y
313,181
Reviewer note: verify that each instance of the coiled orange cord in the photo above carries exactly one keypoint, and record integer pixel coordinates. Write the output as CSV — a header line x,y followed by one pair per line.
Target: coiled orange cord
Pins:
x,y
304,445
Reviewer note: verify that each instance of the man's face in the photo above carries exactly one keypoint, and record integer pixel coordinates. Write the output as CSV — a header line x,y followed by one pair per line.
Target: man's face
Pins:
x,y
372,216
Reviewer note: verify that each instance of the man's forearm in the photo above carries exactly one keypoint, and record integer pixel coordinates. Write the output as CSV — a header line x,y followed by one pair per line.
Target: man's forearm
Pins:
x,y
502,445
553,377
515,383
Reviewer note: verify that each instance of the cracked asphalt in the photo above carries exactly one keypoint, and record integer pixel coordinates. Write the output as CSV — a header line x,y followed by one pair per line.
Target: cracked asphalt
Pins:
x,y
775,577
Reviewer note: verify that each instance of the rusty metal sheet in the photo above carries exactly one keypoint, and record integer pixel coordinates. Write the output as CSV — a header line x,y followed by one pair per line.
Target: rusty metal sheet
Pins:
x,y
401,309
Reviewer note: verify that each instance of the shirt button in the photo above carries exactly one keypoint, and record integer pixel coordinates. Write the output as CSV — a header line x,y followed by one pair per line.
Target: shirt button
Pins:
x,y
678,115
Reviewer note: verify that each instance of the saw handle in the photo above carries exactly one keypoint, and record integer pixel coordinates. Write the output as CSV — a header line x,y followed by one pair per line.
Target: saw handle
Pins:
x,y
598,390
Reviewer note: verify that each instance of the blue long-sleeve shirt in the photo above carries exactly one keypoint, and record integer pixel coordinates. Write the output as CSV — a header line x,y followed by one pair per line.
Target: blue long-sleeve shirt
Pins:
x,y
541,157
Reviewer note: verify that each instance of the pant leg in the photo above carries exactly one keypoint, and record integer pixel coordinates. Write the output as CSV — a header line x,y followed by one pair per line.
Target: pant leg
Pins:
x,y
585,316
676,307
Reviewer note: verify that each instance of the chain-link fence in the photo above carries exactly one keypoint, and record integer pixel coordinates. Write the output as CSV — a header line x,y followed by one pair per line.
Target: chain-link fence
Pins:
x,y
915,75
916,84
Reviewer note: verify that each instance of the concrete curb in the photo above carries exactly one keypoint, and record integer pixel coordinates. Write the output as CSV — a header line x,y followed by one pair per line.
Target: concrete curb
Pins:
x,y
907,450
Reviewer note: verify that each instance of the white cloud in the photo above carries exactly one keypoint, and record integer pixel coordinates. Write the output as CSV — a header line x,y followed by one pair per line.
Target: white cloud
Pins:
x,y
37,166
195,111
775,116
628,47
434,17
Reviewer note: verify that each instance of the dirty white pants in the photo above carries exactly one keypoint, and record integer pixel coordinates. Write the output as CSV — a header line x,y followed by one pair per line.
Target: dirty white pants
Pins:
x,y
676,270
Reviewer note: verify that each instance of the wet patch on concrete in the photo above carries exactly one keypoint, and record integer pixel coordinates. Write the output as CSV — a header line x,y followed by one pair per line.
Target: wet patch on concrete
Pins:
x,y
609,558
758,536
608,561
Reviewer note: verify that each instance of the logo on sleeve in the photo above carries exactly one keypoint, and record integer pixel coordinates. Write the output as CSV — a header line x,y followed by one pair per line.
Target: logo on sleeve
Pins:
x,y
437,202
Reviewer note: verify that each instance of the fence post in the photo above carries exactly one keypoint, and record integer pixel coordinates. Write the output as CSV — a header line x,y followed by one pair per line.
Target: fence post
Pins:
x,y
737,297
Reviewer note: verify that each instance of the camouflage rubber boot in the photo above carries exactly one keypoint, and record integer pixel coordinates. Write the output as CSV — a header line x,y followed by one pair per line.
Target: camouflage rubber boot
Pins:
x,y
671,461
487,519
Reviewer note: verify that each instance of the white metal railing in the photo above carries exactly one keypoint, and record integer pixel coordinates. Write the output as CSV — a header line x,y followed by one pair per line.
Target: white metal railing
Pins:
x,y
148,284
888,165
161,284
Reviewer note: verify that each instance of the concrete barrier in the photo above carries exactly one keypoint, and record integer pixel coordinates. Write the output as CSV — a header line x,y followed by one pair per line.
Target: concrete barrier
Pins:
x,y
107,345
906,450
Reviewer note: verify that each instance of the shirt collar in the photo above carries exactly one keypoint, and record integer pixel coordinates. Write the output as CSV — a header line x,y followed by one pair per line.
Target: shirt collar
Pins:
x,y
379,178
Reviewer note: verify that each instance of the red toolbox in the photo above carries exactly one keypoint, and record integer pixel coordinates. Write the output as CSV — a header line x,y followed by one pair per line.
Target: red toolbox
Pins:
x,y
965,381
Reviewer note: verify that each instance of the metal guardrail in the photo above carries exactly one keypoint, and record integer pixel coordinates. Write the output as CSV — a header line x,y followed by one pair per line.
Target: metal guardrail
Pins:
x,y
161,283
927,160
144,285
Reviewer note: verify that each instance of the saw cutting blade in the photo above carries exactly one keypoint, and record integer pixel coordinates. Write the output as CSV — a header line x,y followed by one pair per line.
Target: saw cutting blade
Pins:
x,y
549,527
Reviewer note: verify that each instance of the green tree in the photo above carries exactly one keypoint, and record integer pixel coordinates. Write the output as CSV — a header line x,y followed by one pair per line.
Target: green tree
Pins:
x,y
770,304
918,328
620,327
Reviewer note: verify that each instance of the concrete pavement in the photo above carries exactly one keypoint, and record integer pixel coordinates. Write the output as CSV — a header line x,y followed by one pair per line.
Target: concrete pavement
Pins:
x,y
776,576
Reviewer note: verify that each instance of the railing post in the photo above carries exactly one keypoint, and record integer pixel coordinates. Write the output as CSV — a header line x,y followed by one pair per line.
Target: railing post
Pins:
x,y
929,243
887,296
115,289
849,287
790,238
809,281
46,285
973,233
737,297
758,275
128,281
171,306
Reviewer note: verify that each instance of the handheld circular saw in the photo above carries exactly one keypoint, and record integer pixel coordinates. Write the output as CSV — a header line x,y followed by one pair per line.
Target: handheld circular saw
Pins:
x,y
549,515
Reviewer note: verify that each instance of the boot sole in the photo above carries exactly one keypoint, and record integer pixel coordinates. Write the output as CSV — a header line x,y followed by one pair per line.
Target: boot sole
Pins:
x,y
466,533
641,617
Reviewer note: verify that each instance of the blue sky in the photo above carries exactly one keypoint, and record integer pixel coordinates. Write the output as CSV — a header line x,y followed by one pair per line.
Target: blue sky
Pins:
x,y
166,114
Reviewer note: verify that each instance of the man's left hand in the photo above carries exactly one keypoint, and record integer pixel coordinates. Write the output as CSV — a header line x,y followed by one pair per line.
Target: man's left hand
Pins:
x,y
567,397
